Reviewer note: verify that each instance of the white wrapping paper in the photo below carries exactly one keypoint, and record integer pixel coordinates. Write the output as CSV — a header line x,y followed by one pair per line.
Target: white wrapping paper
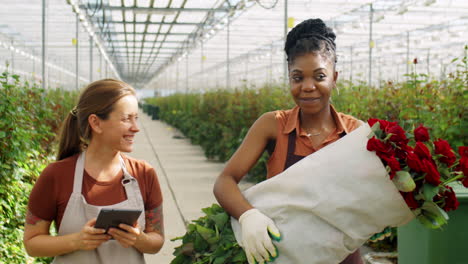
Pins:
x,y
329,203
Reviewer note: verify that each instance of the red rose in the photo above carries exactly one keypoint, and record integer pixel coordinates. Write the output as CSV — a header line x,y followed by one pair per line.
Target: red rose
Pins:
x,y
451,202
383,123
409,199
465,181
381,148
398,134
463,151
463,164
432,174
414,162
443,148
394,165
422,151
402,151
372,121
421,134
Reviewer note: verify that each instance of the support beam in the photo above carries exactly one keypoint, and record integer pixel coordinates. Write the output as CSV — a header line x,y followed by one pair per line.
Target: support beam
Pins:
x,y
371,43
90,59
155,23
154,10
228,73
123,52
77,52
139,42
149,33
44,48
285,62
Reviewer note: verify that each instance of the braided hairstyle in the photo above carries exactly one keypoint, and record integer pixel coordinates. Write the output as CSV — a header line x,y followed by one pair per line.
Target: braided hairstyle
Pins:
x,y
310,36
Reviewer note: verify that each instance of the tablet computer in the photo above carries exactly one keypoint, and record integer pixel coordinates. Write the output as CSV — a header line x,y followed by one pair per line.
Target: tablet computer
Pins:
x,y
108,218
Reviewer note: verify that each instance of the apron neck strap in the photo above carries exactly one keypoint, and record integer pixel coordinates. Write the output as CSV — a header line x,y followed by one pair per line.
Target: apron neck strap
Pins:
x,y
79,170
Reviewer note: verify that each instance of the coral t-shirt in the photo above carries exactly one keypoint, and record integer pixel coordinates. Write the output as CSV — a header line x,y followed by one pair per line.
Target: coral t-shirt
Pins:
x,y
287,121
49,196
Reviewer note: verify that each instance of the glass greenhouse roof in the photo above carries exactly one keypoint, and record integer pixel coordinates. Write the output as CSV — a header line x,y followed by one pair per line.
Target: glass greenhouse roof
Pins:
x,y
182,45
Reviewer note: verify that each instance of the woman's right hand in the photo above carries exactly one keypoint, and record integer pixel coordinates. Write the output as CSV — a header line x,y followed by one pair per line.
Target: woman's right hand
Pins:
x,y
257,232
90,238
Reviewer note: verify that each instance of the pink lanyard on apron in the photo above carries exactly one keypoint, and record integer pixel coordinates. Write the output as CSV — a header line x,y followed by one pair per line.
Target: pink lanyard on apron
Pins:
x,y
78,212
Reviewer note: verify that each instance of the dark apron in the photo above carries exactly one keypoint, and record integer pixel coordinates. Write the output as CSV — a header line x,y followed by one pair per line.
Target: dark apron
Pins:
x,y
291,158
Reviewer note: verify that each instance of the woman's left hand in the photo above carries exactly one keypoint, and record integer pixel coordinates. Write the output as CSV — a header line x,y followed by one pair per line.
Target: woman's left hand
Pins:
x,y
128,236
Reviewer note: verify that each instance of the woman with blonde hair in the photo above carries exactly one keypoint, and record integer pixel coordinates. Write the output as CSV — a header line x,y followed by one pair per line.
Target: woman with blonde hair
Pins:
x,y
91,173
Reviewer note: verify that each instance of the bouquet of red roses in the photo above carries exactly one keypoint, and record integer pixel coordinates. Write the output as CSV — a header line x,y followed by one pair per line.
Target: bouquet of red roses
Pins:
x,y
422,171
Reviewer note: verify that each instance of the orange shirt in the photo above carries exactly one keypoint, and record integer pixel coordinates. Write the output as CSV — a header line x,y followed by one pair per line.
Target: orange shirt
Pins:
x,y
49,196
287,121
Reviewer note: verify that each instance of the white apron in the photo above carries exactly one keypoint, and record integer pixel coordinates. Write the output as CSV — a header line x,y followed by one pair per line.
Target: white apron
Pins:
x,y
78,212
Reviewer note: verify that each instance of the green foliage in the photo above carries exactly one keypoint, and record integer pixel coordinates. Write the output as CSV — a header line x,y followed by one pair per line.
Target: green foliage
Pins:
x,y
209,239
29,120
440,105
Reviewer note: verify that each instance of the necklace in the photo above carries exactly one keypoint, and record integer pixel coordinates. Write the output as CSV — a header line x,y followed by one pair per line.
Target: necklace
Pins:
x,y
311,135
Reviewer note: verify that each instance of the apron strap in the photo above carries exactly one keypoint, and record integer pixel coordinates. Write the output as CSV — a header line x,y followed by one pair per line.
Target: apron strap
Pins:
x,y
132,189
78,178
291,158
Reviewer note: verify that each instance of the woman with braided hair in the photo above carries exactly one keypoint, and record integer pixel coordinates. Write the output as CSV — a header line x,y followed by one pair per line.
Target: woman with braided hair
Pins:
x,y
288,135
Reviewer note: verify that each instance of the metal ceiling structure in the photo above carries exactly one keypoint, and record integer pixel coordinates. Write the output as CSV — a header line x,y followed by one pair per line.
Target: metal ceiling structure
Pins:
x,y
195,45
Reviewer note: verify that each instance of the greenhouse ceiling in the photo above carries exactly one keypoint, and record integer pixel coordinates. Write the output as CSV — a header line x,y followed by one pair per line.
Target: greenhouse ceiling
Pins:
x,y
139,41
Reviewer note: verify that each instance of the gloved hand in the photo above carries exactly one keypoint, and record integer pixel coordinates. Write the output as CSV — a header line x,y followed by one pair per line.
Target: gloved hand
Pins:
x,y
380,236
256,231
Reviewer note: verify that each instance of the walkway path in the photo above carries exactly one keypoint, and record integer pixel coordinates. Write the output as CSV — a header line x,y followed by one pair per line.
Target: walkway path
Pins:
x,y
185,175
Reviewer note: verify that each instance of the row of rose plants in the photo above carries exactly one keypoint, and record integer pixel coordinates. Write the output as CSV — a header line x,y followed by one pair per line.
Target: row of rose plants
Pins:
x,y
29,121
218,120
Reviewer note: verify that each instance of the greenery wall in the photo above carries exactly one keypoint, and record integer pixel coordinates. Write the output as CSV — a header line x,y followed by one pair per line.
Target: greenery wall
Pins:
x,y
29,120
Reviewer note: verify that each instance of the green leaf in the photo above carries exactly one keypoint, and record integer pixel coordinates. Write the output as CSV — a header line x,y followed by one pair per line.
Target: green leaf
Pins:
x,y
403,181
206,233
432,216
430,191
220,219
181,259
200,243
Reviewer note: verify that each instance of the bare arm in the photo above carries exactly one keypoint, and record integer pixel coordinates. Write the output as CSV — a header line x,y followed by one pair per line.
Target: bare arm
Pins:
x,y
149,241
226,190
39,243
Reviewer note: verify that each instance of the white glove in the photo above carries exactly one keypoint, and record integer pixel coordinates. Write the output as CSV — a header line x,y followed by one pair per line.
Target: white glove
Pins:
x,y
256,241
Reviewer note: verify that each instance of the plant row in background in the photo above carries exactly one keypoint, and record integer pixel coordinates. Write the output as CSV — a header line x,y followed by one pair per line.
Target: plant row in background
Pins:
x,y
218,120
29,120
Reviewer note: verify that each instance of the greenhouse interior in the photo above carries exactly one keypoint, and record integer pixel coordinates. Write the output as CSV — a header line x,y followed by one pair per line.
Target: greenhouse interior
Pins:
x,y
204,71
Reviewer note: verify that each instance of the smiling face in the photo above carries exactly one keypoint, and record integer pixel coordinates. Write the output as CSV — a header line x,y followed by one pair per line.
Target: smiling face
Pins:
x,y
118,131
312,77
